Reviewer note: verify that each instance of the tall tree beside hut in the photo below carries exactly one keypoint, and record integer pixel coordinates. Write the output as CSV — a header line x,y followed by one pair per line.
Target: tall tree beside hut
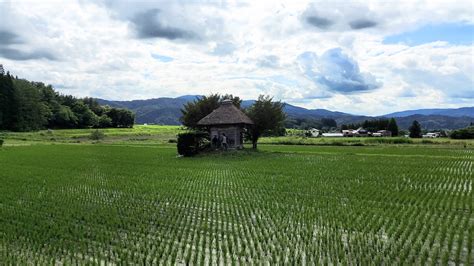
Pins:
x,y
268,117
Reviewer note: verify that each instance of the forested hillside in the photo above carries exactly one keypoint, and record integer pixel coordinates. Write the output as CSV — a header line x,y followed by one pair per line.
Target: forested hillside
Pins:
x,y
26,106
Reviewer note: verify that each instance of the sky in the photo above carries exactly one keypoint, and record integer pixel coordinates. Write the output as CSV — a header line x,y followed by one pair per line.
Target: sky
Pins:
x,y
359,57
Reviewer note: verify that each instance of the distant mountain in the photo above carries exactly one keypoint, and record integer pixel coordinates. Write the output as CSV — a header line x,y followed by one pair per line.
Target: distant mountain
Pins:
x,y
459,112
167,111
431,122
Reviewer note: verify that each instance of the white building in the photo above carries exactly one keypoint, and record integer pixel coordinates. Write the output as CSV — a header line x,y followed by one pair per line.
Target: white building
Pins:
x,y
333,135
431,135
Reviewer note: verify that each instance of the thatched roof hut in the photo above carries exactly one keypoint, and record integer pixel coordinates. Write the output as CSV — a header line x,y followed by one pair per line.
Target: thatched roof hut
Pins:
x,y
226,114
227,120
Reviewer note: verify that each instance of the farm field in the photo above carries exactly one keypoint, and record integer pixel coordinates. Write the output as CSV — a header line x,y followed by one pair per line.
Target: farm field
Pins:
x,y
138,134
141,204
156,134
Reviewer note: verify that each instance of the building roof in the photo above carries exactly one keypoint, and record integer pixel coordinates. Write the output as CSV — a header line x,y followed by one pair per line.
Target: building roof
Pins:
x,y
226,114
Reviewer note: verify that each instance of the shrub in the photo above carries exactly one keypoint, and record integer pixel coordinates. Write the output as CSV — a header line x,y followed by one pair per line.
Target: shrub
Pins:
x,y
97,135
191,143
1,142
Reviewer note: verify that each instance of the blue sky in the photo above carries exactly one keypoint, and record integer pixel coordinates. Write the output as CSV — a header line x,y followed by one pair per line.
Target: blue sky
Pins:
x,y
162,58
370,57
453,33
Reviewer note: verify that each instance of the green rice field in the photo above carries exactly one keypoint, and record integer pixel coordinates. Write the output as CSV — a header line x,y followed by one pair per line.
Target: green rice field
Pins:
x,y
139,203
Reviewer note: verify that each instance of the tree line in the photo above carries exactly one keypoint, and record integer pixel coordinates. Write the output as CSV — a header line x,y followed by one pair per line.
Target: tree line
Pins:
x,y
28,106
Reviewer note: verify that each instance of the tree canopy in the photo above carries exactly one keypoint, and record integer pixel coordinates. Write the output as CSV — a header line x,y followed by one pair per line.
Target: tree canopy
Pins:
x,y
464,133
196,110
26,106
393,127
415,130
268,117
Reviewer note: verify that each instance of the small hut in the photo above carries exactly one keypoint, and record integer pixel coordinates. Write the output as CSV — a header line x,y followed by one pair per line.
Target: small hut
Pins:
x,y
229,120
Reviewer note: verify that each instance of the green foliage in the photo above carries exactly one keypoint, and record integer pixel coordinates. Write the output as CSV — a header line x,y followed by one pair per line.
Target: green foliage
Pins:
x,y
191,143
121,117
268,118
29,106
32,113
86,118
97,135
1,142
393,127
196,110
105,121
64,117
8,102
465,133
415,130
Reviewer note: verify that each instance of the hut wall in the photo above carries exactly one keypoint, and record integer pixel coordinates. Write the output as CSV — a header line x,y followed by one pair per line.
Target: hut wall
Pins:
x,y
232,133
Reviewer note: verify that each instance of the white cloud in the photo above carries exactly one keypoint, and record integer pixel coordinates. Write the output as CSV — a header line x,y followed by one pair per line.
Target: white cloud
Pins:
x,y
104,49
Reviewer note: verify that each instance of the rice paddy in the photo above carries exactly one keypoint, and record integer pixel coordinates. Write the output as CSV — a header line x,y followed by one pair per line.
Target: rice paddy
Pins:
x,y
141,204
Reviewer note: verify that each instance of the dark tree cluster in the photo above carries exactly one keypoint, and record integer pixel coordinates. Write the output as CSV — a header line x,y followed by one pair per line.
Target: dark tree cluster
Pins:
x,y
27,106
464,133
415,130
376,125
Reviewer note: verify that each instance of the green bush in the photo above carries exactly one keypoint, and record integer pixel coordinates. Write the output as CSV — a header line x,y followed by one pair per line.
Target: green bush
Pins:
x,y
1,142
191,143
465,133
97,135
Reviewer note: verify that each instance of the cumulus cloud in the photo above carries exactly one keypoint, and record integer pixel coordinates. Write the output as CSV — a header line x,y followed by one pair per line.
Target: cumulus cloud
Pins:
x,y
7,38
362,24
148,25
136,50
339,17
223,48
9,43
271,61
319,22
15,54
336,71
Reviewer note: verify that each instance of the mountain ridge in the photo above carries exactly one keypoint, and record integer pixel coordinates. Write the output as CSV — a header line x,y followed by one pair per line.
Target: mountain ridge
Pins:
x,y
455,112
167,110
